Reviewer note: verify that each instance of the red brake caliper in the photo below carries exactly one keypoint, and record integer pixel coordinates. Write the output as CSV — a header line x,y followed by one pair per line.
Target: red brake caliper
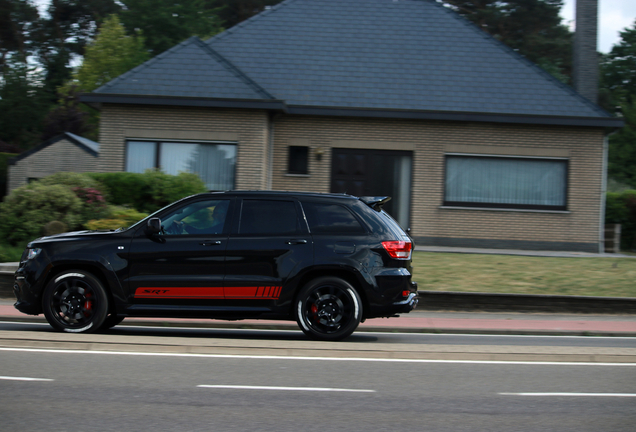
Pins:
x,y
88,306
314,309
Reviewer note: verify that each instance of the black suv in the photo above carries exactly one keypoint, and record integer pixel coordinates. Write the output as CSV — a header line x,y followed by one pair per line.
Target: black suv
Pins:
x,y
327,261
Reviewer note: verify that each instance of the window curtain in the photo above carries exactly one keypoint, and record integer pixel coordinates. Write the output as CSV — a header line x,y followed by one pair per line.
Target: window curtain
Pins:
x,y
506,181
214,163
140,156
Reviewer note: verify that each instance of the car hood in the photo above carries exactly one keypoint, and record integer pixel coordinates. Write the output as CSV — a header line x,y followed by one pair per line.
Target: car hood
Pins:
x,y
74,235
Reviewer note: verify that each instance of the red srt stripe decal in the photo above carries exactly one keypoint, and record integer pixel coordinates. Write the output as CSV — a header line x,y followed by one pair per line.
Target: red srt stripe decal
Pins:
x,y
262,292
244,293
180,292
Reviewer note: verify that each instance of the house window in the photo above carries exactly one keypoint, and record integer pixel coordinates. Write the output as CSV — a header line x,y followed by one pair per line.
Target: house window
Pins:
x,y
214,163
298,160
506,182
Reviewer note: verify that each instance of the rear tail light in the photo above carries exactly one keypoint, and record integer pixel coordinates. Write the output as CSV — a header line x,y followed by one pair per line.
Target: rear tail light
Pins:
x,y
398,249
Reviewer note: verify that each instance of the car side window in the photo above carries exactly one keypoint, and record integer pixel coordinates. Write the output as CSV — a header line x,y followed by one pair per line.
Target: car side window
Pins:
x,y
268,217
331,219
198,218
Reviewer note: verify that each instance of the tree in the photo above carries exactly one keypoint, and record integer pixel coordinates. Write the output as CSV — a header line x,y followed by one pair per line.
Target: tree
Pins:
x,y
63,35
622,148
22,104
618,86
531,27
166,23
69,116
112,53
18,19
618,69
232,12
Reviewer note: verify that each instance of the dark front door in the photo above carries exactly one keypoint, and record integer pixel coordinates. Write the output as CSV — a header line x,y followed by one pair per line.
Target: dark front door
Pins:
x,y
375,173
185,264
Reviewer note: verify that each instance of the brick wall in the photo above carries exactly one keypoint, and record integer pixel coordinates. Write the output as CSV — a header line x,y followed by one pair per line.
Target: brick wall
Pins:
x,y
248,129
431,223
576,229
60,156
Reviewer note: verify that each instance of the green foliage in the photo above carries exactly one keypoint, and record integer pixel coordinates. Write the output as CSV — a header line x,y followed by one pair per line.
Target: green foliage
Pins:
x,y
86,188
26,211
620,208
622,149
23,104
111,54
149,191
71,179
4,163
118,217
166,23
54,227
232,12
531,27
617,69
11,253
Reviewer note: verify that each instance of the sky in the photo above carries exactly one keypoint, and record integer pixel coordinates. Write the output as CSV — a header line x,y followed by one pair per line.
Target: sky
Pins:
x,y
613,16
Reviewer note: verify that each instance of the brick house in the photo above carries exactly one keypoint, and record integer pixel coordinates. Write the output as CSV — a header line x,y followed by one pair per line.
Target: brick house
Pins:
x,y
65,152
476,145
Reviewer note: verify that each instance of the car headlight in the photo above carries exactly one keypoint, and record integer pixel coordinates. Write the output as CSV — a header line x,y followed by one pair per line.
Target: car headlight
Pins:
x,y
32,253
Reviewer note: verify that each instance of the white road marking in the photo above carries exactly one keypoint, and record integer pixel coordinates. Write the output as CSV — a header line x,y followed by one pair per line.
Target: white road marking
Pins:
x,y
573,394
310,389
23,379
344,359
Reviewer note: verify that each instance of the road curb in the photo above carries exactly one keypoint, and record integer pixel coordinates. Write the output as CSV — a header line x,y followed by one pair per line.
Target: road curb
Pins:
x,y
238,325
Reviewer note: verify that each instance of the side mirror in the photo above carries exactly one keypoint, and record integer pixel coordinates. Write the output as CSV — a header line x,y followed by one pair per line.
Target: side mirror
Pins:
x,y
154,226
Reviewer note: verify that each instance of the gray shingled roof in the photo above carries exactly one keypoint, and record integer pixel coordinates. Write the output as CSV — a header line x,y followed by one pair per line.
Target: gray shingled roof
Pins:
x,y
190,69
386,55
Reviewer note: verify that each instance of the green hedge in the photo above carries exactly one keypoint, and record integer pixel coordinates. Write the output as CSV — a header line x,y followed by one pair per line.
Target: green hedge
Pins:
x,y
149,191
620,208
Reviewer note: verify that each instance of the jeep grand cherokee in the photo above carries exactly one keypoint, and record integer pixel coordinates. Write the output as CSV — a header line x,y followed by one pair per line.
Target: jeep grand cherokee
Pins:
x,y
328,261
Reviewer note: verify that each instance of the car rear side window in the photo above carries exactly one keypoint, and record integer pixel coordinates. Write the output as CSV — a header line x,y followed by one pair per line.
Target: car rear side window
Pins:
x,y
268,217
331,219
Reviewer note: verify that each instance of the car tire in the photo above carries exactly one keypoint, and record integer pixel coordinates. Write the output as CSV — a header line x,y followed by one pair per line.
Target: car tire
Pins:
x,y
328,308
111,321
75,302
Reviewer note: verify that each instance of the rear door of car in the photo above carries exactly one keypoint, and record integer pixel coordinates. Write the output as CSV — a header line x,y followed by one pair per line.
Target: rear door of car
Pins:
x,y
268,246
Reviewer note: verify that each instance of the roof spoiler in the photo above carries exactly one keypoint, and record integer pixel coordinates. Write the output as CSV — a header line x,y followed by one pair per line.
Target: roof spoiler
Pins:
x,y
375,202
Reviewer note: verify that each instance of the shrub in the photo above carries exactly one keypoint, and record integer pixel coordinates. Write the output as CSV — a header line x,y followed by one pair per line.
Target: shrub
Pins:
x,y
54,227
71,180
26,211
119,217
149,191
620,208
93,204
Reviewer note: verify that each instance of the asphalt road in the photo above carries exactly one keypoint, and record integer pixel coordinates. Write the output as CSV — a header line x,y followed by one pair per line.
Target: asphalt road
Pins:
x,y
361,338
67,390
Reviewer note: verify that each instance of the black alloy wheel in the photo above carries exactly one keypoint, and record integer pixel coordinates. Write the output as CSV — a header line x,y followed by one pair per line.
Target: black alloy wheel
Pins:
x,y
328,308
75,301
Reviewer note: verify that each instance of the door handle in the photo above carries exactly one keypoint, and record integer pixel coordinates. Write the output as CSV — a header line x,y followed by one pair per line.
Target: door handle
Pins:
x,y
210,243
296,241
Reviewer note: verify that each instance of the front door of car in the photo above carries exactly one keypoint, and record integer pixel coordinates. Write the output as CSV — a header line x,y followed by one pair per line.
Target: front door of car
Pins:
x,y
184,264
268,246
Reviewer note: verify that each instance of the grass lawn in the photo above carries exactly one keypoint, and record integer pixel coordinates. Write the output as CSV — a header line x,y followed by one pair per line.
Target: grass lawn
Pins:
x,y
612,277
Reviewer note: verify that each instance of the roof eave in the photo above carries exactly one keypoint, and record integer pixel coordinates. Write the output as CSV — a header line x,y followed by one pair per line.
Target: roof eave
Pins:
x,y
603,122
97,99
